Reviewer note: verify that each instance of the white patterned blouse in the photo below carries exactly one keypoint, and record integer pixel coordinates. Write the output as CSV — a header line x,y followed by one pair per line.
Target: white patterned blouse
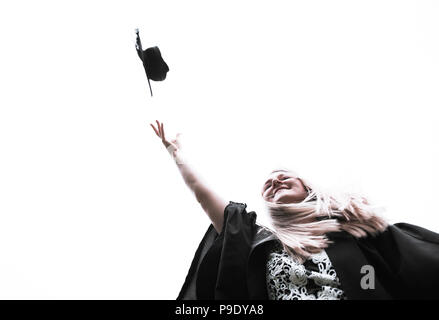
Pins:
x,y
315,279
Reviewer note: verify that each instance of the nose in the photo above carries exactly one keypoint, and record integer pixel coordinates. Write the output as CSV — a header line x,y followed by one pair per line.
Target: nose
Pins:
x,y
276,182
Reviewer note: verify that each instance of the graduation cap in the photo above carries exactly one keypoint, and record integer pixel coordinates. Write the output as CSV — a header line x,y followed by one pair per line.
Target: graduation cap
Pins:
x,y
155,67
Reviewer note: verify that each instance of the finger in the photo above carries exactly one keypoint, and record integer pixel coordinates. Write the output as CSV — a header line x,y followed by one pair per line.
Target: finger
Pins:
x,y
163,133
156,132
158,127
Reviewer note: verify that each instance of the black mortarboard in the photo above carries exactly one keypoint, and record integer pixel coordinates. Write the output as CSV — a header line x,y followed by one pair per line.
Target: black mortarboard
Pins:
x,y
155,67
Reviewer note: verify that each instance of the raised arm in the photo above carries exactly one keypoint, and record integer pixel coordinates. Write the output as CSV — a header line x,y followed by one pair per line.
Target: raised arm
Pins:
x,y
209,200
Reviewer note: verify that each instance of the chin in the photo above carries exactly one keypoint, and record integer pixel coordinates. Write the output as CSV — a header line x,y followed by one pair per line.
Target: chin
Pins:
x,y
283,195
281,200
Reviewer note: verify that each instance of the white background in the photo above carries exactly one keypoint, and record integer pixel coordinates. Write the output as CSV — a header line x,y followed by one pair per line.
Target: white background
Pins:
x,y
91,204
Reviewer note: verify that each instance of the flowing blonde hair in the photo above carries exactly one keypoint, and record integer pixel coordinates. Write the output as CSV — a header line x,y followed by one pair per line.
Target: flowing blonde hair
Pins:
x,y
301,227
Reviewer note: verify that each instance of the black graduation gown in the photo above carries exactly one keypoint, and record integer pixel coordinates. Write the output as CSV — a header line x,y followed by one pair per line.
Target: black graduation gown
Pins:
x,y
232,264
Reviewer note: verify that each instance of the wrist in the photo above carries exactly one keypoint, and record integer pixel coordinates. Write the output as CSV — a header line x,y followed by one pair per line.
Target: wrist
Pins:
x,y
176,154
171,150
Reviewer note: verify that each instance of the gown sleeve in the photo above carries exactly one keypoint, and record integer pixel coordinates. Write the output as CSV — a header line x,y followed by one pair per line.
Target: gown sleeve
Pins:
x,y
219,266
406,258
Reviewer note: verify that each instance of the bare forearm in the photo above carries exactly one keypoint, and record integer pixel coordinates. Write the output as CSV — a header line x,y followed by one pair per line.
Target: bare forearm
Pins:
x,y
189,175
211,202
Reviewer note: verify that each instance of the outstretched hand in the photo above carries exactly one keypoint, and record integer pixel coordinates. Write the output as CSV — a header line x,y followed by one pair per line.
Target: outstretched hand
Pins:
x,y
160,132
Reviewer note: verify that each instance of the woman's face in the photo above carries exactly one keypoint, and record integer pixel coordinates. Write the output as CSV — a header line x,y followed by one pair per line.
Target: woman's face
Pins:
x,y
283,187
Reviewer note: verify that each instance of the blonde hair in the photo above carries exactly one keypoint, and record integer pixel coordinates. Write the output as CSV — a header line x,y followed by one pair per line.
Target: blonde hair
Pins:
x,y
301,227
